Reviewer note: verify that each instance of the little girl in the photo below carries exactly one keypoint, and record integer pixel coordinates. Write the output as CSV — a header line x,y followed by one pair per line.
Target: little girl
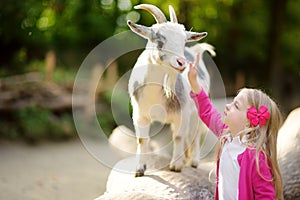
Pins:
x,y
247,165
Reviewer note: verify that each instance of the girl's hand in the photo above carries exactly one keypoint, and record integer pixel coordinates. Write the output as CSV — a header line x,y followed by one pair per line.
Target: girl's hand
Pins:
x,y
192,75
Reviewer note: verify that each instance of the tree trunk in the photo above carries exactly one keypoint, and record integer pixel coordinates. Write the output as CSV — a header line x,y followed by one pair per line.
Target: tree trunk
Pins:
x,y
275,63
50,63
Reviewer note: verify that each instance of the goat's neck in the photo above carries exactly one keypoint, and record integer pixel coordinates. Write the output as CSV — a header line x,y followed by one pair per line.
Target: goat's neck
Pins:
x,y
162,75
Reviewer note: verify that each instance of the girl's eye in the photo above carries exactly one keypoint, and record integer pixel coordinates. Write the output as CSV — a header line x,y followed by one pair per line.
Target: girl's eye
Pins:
x,y
236,106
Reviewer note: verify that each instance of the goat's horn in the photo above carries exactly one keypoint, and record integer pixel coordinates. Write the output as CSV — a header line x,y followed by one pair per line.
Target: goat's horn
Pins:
x,y
172,14
156,12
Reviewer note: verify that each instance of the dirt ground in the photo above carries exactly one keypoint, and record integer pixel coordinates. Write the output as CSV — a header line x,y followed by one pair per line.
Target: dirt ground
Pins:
x,y
52,170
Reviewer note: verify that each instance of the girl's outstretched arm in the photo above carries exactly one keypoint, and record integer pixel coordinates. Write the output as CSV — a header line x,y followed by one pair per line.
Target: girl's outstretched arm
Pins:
x,y
208,114
192,75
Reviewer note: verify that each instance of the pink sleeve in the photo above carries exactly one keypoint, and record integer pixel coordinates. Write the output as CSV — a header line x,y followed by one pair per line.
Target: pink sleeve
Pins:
x,y
262,182
208,114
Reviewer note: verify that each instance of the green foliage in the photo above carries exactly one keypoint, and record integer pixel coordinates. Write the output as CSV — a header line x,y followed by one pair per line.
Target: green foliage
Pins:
x,y
64,76
106,122
238,29
122,108
9,130
34,124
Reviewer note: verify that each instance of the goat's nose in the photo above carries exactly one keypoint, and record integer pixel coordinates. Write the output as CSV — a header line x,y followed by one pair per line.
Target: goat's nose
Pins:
x,y
181,62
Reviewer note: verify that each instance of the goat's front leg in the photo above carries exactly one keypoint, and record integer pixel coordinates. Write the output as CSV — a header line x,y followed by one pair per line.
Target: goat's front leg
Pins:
x,y
179,129
142,128
196,129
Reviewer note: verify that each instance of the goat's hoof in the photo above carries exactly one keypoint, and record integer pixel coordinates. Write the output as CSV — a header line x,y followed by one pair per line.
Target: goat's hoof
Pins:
x,y
176,165
175,168
140,171
195,164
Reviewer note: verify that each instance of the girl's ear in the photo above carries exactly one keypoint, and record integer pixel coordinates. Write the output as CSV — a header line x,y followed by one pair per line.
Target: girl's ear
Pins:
x,y
247,124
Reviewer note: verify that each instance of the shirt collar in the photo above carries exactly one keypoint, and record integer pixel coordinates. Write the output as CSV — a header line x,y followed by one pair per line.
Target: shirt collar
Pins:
x,y
229,138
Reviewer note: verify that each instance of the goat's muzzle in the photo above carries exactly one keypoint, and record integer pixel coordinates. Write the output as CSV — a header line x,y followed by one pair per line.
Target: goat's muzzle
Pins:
x,y
181,64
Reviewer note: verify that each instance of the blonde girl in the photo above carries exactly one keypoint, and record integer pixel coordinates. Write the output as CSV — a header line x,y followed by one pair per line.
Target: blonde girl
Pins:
x,y
247,165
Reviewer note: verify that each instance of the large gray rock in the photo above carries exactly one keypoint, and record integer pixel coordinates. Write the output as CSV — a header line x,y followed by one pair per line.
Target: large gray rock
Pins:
x,y
158,183
288,155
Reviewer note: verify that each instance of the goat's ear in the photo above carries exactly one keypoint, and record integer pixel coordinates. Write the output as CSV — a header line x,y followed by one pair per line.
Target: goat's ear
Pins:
x,y
141,30
194,36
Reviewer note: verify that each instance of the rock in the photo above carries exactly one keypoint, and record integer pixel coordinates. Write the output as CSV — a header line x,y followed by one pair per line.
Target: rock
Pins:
x,y
158,183
288,155
123,141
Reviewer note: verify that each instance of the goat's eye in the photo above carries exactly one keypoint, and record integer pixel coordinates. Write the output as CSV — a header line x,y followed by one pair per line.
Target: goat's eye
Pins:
x,y
160,44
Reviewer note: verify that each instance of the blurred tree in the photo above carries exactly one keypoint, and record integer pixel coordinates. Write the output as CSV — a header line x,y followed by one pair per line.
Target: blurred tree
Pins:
x,y
275,57
30,28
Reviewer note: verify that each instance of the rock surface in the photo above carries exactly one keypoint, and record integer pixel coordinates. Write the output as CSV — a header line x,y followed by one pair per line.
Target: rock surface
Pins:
x,y
158,183
288,155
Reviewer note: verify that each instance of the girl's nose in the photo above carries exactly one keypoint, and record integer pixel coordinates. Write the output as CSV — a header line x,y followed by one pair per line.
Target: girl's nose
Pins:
x,y
227,106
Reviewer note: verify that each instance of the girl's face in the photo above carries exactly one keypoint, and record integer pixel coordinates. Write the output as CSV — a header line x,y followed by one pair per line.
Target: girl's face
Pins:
x,y
236,113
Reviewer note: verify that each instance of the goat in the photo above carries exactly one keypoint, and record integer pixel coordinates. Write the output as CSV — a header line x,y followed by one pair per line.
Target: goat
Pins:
x,y
159,88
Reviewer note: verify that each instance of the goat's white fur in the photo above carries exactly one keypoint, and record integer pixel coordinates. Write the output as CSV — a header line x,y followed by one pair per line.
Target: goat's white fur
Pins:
x,y
159,91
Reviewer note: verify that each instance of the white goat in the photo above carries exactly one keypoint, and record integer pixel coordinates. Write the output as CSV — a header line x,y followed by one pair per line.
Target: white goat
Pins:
x,y
159,88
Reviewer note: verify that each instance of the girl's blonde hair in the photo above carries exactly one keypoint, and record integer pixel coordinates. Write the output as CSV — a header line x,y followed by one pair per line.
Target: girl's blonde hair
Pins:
x,y
264,138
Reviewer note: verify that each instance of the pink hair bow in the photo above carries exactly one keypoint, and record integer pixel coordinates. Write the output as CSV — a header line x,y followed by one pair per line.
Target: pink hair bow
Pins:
x,y
258,117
